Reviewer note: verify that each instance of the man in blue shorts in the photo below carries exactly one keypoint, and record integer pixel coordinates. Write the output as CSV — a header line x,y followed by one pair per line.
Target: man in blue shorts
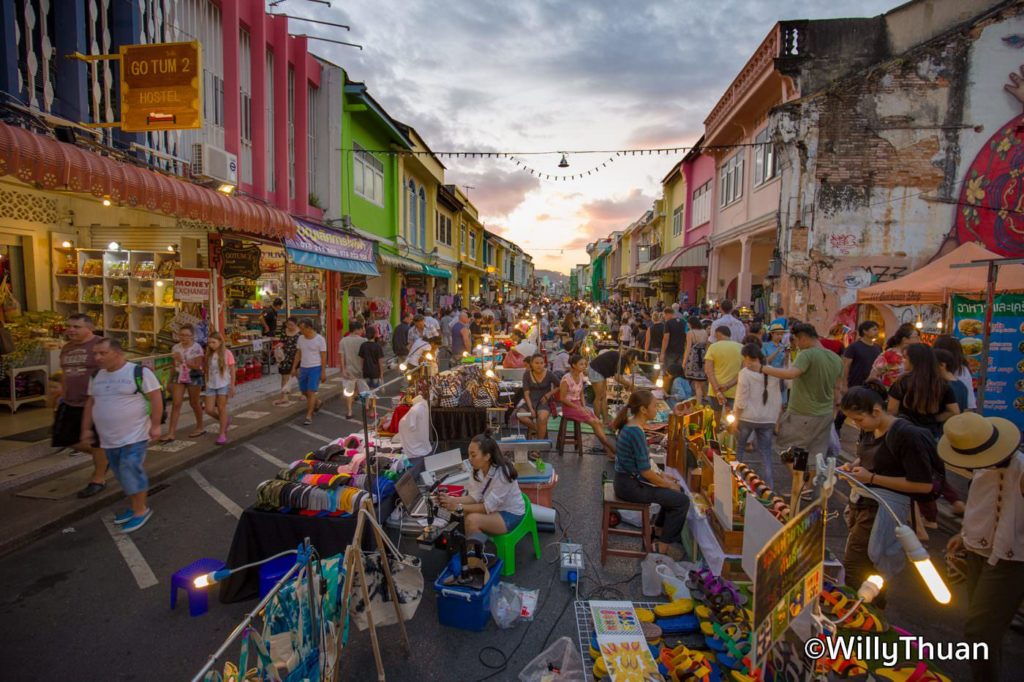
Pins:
x,y
310,365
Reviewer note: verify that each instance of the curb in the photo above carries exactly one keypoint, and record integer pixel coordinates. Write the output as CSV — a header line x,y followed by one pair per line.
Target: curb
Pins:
x,y
167,468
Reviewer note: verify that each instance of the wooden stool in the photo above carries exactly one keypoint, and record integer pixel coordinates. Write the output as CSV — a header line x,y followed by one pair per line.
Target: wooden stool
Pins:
x,y
576,440
612,503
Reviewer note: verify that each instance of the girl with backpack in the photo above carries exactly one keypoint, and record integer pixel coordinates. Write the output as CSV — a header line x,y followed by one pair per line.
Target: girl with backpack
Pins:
x,y
220,382
693,358
899,462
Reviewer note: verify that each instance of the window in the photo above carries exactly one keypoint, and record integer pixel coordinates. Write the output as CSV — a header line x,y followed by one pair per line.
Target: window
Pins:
x,y
423,219
367,175
271,126
730,178
702,204
765,166
311,119
410,214
677,221
291,132
443,233
437,227
245,105
472,244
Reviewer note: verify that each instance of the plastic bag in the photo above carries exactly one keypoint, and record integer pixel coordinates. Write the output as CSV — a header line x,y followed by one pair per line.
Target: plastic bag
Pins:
x,y
649,575
529,599
506,605
560,662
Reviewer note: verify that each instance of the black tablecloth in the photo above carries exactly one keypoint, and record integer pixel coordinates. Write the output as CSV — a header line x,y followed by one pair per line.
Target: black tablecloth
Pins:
x,y
458,423
260,534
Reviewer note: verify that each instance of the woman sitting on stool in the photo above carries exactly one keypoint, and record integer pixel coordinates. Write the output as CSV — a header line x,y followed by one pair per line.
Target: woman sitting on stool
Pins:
x,y
494,504
635,481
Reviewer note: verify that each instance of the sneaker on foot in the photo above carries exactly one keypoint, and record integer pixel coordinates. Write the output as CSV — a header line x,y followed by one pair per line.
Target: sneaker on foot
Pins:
x,y
136,522
123,516
307,422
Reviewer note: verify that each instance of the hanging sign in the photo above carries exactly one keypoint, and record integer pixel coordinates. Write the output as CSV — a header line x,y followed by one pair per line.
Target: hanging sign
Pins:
x,y
788,577
192,286
314,239
1004,393
240,261
161,87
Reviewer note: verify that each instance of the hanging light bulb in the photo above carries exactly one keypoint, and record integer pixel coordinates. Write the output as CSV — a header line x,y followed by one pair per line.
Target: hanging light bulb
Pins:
x,y
66,244
114,246
657,366
919,325
564,163
916,552
939,324
660,383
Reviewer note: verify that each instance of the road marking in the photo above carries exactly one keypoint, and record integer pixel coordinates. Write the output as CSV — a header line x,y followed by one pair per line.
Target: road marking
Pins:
x,y
260,452
222,499
311,434
338,416
132,556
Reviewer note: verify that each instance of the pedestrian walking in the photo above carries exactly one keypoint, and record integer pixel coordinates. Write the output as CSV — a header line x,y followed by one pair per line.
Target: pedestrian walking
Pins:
x,y
78,365
285,356
722,363
220,383
352,380
858,358
189,358
400,337
991,540
125,406
727,319
757,408
309,366
673,341
693,358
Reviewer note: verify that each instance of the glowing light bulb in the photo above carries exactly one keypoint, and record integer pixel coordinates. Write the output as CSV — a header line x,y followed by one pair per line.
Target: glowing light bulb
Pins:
x,y
490,374
870,588
408,377
919,324
202,581
66,244
114,246
106,202
657,366
465,353
660,383
170,247
939,324
349,392
916,552
428,356
730,418
403,367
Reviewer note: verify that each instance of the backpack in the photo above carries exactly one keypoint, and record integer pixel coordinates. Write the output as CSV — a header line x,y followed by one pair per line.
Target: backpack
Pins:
x,y
138,389
937,465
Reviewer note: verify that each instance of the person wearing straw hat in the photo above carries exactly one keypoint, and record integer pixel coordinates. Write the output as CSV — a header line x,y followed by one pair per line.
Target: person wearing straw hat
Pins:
x,y
992,534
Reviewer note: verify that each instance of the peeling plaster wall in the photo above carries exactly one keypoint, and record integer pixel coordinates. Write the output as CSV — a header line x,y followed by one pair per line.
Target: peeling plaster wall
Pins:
x,y
873,167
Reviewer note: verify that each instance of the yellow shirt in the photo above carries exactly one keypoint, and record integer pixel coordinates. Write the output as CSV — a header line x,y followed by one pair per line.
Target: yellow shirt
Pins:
x,y
728,360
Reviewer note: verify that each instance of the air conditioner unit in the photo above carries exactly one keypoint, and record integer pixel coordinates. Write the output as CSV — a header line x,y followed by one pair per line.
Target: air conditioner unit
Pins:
x,y
215,164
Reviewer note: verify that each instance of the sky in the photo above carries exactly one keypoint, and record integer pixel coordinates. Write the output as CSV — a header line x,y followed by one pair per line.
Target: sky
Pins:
x,y
548,75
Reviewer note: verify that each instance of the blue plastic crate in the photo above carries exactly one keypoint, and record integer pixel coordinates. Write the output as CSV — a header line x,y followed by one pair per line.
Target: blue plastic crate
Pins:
x,y
464,607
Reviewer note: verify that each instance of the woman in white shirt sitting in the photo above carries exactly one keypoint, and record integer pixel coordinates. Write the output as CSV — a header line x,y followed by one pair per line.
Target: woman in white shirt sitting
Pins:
x,y
757,408
493,503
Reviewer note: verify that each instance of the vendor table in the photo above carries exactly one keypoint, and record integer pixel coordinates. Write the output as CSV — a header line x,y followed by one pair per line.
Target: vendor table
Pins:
x,y
458,423
261,534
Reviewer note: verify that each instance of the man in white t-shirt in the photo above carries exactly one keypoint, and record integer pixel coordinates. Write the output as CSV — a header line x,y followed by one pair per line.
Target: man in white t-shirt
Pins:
x,y
310,366
125,407
352,365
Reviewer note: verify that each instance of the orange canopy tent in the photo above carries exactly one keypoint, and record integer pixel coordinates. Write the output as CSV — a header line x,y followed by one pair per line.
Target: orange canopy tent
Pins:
x,y
935,282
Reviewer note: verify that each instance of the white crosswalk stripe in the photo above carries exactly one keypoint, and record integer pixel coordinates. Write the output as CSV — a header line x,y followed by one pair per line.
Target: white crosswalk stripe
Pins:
x,y
143,574
311,434
260,452
222,499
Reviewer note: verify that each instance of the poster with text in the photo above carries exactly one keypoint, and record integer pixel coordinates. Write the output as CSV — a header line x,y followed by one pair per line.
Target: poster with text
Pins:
x,y
620,638
1004,393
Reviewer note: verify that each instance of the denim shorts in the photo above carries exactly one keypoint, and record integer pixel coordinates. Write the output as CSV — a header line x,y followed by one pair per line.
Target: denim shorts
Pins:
x,y
309,379
511,520
195,378
127,464
223,390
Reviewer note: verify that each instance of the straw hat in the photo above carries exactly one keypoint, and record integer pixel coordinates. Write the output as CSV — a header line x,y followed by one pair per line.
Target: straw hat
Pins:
x,y
776,328
971,441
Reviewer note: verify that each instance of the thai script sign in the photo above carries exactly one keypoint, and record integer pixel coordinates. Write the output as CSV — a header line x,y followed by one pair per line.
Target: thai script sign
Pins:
x,y
309,237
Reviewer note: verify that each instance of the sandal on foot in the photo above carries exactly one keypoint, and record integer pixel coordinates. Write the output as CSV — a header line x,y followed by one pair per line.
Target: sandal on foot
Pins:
x,y
197,434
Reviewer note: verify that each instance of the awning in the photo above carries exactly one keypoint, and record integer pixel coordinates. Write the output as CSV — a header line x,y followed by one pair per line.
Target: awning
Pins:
x,y
319,246
51,165
437,272
396,261
693,256
346,265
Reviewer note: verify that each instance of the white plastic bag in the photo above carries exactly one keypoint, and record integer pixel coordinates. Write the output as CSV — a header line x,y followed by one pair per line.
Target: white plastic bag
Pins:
x,y
506,605
649,575
560,662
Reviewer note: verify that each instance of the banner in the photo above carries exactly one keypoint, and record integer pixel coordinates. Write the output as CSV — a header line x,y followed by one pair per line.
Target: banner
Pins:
x,y
789,576
1004,393
192,286
240,261
309,237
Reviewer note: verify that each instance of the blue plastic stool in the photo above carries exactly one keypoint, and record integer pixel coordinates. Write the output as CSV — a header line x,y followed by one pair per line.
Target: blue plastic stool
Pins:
x,y
197,602
272,571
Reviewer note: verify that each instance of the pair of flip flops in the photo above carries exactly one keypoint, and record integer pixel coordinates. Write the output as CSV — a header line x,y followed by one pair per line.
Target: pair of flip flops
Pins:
x,y
837,604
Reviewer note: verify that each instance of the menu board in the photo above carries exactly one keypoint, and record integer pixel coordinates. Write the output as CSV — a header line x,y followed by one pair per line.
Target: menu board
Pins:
x,y
1004,392
788,577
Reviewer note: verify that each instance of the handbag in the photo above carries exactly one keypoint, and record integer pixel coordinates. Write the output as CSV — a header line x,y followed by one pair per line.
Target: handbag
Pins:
x,y
407,575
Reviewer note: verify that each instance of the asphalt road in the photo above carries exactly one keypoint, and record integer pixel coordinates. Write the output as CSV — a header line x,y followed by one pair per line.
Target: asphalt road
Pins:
x,y
73,607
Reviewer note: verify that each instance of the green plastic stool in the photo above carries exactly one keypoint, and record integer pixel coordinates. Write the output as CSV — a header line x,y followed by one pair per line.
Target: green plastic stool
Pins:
x,y
506,544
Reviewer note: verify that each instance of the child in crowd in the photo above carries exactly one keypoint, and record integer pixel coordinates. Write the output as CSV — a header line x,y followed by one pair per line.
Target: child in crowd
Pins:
x,y
220,382
679,388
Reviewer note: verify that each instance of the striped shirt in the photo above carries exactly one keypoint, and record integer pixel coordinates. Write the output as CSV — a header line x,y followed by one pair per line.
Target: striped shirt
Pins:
x,y
631,456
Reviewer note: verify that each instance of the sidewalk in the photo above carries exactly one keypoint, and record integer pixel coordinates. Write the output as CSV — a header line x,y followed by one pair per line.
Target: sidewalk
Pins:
x,y
34,505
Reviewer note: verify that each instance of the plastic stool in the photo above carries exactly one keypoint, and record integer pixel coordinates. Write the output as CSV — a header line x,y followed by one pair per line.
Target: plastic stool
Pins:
x,y
506,543
197,602
273,571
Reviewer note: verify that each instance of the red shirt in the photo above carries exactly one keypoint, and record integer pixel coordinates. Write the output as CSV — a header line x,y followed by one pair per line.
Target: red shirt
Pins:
x,y
833,345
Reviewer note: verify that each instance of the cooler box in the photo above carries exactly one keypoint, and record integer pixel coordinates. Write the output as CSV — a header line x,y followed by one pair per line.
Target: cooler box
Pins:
x,y
540,493
464,607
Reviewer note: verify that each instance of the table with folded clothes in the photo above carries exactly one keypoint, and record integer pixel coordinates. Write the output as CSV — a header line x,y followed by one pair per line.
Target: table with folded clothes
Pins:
x,y
313,498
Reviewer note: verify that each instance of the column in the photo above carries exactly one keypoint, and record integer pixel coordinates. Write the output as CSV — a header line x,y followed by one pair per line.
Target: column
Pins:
x,y
712,287
232,77
297,50
743,280
396,297
71,98
279,36
258,116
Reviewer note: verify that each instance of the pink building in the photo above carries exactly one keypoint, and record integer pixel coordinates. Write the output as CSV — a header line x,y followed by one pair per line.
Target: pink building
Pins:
x,y
699,170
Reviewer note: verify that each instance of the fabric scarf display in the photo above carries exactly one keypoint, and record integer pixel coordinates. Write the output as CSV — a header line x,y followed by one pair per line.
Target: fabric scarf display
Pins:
x,y
281,495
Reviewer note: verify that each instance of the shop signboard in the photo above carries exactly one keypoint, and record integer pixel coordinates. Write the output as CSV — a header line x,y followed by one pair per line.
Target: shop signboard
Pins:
x,y
1004,392
161,87
620,639
313,239
238,261
192,286
788,576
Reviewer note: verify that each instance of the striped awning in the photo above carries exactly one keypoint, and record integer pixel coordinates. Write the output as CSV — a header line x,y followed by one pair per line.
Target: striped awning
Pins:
x,y
693,256
396,261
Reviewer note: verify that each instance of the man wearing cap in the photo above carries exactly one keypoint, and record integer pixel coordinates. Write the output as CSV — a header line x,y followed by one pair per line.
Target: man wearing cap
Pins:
x,y
776,353
992,535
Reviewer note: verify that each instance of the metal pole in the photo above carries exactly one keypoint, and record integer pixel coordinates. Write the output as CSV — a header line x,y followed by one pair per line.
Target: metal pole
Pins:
x,y
990,295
